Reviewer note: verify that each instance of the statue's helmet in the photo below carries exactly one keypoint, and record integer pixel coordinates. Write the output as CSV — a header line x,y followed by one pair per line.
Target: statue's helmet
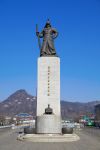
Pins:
x,y
48,24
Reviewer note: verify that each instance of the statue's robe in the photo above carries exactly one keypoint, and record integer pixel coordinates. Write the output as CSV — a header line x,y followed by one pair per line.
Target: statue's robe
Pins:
x,y
48,35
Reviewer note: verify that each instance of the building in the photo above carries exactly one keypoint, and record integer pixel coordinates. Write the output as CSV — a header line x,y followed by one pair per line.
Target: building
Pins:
x,y
23,118
97,111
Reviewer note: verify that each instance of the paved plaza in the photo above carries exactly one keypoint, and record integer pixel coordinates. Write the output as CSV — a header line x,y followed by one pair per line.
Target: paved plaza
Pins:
x,y
89,140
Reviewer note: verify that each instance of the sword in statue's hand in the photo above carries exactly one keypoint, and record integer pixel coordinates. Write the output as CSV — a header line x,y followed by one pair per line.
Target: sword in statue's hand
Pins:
x,y
37,33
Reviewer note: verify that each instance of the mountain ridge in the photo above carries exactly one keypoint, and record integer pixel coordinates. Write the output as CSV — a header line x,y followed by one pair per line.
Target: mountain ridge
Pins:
x,y
21,101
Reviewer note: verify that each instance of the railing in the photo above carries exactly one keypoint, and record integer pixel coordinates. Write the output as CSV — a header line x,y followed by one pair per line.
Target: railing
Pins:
x,y
9,126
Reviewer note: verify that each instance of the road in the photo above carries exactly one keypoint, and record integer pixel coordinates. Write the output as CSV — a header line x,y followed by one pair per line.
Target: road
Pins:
x,y
89,140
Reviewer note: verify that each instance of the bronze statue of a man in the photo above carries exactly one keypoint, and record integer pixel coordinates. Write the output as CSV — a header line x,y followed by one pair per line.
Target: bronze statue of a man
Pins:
x,y
48,34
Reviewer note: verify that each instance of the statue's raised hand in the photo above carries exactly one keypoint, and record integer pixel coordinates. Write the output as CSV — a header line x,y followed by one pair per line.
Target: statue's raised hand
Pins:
x,y
37,33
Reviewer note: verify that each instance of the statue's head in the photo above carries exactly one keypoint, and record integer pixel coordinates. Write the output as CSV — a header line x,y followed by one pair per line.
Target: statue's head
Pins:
x,y
48,25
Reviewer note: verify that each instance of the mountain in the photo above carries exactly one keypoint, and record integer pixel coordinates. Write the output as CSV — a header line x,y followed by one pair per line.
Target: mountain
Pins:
x,y
18,102
21,101
75,109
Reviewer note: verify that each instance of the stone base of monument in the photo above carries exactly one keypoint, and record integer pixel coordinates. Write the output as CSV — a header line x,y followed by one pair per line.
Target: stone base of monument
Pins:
x,y
67,130
48,124
29,130
49,137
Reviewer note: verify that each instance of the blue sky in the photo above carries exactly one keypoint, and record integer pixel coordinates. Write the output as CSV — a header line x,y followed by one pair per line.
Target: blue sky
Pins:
x,y
78,46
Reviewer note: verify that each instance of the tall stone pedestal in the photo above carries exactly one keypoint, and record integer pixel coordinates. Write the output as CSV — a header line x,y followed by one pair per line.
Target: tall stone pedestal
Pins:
x,y
48,93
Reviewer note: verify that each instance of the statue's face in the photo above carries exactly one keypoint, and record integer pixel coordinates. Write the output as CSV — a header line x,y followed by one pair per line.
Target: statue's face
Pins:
x,y
48,26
